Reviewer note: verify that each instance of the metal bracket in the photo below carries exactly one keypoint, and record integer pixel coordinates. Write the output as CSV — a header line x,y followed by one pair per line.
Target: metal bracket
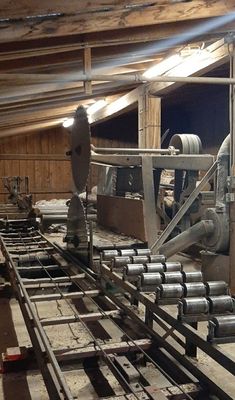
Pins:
x,y
130,373
230,197
231,182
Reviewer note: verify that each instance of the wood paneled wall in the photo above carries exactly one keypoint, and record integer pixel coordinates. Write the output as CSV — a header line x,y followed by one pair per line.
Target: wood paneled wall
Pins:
x,y
48,179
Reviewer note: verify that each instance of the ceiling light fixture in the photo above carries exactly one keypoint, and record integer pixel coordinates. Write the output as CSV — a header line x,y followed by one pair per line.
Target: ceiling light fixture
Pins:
x,y
163,66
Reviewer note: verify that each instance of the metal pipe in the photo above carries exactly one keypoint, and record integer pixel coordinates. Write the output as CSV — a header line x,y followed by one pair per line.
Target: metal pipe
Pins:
x,y
51,218
222,174
136,78
187,238
114,150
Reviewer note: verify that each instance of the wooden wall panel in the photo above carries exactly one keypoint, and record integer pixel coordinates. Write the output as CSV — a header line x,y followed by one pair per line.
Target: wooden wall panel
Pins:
x,y
48,179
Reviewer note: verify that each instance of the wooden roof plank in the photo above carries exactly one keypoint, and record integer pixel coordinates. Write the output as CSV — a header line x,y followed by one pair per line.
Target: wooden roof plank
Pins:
x,y
27,8
70,24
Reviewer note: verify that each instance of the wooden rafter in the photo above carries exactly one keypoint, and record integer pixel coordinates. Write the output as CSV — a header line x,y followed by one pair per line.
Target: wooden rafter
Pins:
x,y
217,54
60,20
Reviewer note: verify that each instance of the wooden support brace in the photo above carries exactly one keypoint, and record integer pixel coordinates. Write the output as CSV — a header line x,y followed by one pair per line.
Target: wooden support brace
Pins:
x,y
87,69
149,120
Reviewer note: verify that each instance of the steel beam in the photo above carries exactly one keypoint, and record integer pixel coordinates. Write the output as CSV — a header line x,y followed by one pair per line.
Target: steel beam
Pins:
x,y
185,162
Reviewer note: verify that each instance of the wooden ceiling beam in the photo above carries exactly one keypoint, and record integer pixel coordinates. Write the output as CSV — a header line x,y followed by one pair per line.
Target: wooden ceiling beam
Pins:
x,y
51,24
176,29
141,34
30,128
121,57
217,54
59,95
27,8
37,92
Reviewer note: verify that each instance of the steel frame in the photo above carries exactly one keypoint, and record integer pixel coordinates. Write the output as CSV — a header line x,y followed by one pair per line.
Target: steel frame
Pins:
x,y
186,330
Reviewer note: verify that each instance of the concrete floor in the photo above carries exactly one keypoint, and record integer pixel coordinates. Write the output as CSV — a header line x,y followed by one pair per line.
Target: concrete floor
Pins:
x,y
30,386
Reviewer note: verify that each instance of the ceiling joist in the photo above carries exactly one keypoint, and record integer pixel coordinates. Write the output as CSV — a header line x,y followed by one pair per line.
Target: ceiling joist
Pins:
x,y
26,23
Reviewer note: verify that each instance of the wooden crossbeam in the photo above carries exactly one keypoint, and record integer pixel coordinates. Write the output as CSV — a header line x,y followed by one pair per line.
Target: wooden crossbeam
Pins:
x,y
67,18
147,34
212,56
217,54
108,348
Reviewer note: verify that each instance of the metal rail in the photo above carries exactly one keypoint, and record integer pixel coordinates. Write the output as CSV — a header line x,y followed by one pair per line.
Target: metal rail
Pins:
x,y
48,359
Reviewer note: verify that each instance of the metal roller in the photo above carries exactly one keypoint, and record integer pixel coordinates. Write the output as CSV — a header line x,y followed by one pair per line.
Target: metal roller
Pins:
x,y
151,279
221,304
171,291
143,252
223,326
108,255
127,252
139,259
171,266
194,289
196,305
173,277
216,288
28,258
195,276
119,262
157,258
134,269
154,267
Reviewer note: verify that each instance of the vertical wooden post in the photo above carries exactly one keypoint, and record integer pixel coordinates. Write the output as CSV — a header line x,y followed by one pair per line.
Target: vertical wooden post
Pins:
x,y
87,69
149,136
232,173
149,119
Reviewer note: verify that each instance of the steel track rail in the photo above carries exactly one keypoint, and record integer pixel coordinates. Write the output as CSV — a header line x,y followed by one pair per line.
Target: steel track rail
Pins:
x,y
47,358
110,364
57,385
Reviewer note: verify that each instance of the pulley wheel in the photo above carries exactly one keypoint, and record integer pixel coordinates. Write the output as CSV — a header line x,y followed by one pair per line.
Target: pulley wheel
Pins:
x,y
187,143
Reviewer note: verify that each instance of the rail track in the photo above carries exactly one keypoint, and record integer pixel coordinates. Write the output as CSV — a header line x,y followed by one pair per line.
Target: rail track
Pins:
x,y
43,273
